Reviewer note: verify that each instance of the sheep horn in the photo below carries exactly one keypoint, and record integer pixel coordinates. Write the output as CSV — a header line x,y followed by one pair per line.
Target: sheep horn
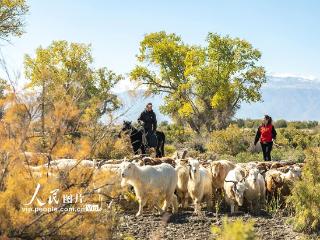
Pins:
x,y
230,181
190,174
264,171
243,179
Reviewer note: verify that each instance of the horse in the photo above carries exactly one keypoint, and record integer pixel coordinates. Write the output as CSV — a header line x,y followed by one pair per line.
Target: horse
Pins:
x,y
136,136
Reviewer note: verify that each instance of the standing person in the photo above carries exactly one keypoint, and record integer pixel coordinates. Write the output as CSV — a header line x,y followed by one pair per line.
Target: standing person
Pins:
x,y
266,134
149,120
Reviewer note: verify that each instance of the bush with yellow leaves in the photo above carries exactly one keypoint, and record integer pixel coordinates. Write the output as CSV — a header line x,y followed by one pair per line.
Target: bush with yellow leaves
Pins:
x,y
305,198
236,230
49,203
231,140
23,218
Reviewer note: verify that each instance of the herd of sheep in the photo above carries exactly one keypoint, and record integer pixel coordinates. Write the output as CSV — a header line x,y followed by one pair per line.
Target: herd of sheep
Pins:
x,y
177,182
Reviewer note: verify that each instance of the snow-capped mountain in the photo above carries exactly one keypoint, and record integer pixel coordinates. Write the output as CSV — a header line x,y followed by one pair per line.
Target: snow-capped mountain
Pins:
x,y
290,98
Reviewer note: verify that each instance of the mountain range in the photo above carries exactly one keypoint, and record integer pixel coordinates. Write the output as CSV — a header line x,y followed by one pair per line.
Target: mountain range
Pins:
x,y
290,98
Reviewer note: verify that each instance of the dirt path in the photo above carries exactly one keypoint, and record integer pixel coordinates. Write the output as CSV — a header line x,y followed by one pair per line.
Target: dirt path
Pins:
x,y
185,225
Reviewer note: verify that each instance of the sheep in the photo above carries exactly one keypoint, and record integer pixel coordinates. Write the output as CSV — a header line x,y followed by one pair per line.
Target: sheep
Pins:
x,y
60,165
288,178
274,182
156,161
150,182
255,188
293,174
199,185
182,155
182,184
278,182
234,187
219,170
63,164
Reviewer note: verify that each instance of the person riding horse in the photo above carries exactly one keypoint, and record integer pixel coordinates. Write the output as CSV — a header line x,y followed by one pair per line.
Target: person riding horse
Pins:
x,y
149,122
156,139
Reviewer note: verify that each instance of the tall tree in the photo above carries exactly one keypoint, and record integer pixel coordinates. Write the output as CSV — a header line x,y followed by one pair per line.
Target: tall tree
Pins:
x,y
12,14
202,85
64,71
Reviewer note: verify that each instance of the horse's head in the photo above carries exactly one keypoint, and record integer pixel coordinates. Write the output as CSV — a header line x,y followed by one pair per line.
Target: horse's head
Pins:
x,y
126,126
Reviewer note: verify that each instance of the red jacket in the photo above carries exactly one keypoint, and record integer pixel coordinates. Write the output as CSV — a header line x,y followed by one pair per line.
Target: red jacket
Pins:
x,y
265,133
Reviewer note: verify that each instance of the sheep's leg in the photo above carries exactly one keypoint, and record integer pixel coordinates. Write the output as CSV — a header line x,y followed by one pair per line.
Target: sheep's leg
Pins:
x,y
257,206
262,201
180,198
165,205
101,199
251,206
236,208
160,211
142,203
214,198
170,200
217,199
197,206
174,202
232,208
216,193
209,202
185,200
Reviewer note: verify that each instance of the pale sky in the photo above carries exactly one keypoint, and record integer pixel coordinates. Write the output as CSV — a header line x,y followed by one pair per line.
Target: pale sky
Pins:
x,y
286,32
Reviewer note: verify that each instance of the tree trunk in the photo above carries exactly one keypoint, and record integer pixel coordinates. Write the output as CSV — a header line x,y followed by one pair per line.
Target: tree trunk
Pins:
x,y
195,127
42,117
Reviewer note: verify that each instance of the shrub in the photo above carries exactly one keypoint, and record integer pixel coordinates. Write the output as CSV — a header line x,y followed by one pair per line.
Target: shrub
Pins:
x,y
231,140
111,147
250,123
226,157
305,198
176,133
19,224
295,155
296,138
281,123
169,149
237,230
240,122
303,124
248,157
278,154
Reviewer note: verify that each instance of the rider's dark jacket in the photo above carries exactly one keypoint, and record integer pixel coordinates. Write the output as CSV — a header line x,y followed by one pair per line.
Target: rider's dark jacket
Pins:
x,y
149,119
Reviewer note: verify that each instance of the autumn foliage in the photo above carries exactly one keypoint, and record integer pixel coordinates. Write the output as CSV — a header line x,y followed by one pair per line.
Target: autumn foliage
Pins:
x,y
56,116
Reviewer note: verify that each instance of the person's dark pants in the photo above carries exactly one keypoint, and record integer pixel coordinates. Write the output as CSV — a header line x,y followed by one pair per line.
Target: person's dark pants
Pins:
x,y
148,133
266,150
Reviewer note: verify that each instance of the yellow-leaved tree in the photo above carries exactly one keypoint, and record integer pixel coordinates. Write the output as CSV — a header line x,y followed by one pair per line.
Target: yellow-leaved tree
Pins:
x,y
57,115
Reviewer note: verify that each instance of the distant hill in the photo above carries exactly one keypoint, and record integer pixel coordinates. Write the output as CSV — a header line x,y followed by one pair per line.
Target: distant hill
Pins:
x,y
289,98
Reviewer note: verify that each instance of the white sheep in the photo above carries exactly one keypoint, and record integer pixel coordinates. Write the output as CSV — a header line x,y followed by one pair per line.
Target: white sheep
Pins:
x,y
64,164
182,184
151,183
293,174
234,188
199,185
60,165
219,170
255,191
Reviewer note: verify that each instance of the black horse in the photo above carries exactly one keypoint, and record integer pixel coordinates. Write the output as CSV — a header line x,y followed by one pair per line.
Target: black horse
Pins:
x,y
136,139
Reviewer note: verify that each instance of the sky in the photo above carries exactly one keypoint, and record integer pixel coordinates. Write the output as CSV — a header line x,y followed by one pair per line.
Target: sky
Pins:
x,y
287,32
